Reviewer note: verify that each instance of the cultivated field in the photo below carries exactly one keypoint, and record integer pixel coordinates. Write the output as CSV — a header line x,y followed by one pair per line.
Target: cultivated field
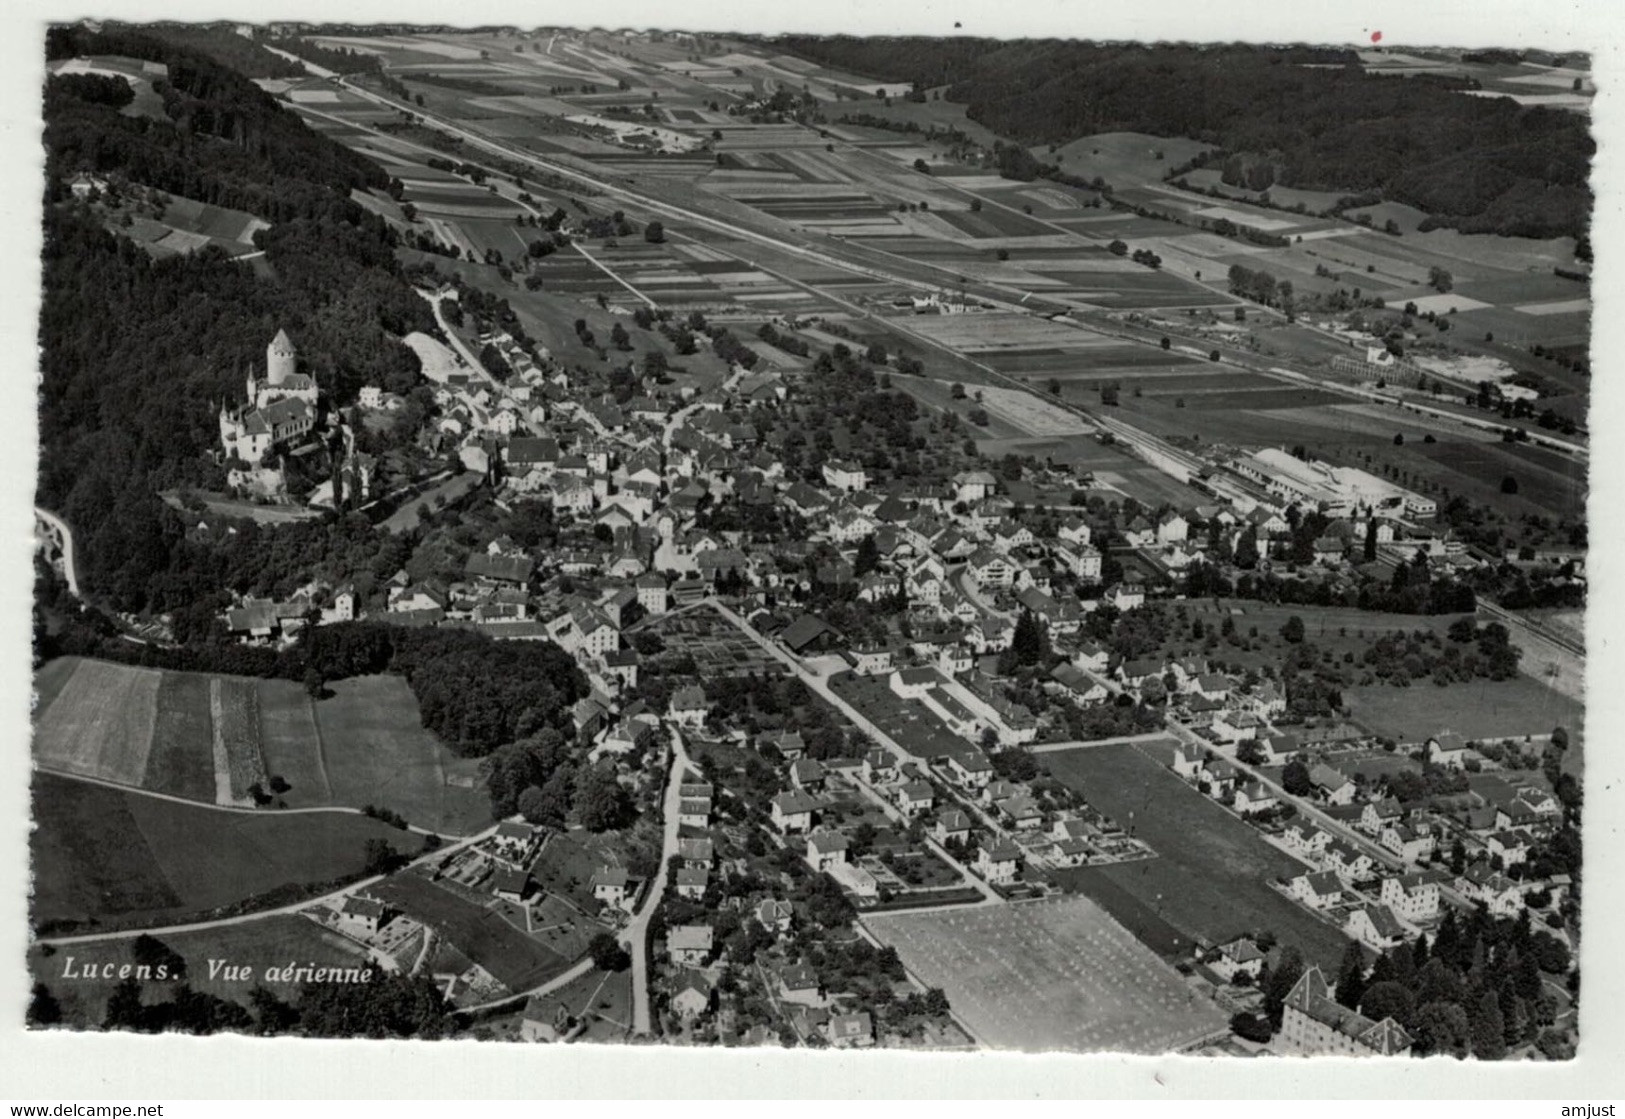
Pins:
x,y
1210,879
181,761
115,858
1050,975
208,738
238,763
100,722
366,745
1478,708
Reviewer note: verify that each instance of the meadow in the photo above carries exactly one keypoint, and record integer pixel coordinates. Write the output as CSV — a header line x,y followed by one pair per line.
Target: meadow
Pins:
x,y
1210,879
271,941
110,858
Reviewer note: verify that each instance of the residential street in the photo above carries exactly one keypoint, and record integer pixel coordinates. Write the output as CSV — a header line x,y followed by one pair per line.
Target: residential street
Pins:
x,y
819,685
636,934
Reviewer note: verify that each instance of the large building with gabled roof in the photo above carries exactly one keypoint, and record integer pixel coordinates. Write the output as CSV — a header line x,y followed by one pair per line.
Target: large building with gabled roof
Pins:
x,y
1314,1023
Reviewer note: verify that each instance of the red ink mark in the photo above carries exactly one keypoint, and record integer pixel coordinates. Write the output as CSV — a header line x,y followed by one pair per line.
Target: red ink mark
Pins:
x,y
1376,36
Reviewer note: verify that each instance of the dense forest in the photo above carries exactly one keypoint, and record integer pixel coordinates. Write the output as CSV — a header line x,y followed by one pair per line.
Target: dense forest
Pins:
x,y
1478,164
221,43
138,353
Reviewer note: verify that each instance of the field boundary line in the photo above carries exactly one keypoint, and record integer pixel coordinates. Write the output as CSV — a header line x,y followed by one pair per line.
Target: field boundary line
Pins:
x,y
321,747
222,760
239,809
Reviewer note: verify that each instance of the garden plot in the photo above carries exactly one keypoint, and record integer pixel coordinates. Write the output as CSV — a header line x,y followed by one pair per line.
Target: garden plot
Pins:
x,y
238,761
1050,975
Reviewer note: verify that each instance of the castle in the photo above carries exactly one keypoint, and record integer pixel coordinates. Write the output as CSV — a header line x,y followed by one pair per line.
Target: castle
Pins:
x,y
280,409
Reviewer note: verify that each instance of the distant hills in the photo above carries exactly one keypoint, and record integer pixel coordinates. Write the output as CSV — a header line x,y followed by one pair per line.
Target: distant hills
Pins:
x,y
1477,164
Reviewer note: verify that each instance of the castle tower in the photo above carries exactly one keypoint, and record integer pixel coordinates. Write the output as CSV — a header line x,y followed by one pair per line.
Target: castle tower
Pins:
x,y
280,358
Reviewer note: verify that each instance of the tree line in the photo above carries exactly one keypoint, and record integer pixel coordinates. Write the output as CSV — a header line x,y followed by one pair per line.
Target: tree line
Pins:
x,y
473,692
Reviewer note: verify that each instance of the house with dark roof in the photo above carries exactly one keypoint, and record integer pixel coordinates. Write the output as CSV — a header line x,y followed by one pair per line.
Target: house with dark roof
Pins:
x,y
1239,957
806,634
1320,889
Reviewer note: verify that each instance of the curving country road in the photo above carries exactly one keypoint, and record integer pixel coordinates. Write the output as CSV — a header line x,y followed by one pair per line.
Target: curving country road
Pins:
x,y
64,536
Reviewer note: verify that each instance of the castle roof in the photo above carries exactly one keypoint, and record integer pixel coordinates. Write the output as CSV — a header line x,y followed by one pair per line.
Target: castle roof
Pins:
x,y
282,341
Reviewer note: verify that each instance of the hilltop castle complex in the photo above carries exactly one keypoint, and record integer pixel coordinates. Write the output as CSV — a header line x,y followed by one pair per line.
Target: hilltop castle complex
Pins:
x,y
279,410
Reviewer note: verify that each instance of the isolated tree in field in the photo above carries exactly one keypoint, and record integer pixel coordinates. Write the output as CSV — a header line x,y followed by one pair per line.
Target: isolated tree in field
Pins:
x,y
1399,437
922,167
957,391
1002,254
1118,248
315,683
654,233
1054,387
1292,631
1509,485
1440,279
1295,779
978,416
620,338
1167,342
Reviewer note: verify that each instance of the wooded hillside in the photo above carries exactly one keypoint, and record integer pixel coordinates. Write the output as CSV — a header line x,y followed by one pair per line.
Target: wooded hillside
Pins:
x,y
1477,164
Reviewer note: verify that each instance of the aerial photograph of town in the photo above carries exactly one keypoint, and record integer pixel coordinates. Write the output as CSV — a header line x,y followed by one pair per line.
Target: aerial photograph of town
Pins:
x,y
551,535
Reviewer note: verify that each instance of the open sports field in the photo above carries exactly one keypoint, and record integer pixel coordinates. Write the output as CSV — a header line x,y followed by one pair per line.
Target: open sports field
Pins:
x,y
118,858
1478,708
364,745
267,942
480,933
100,722
1211,876
1050,975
